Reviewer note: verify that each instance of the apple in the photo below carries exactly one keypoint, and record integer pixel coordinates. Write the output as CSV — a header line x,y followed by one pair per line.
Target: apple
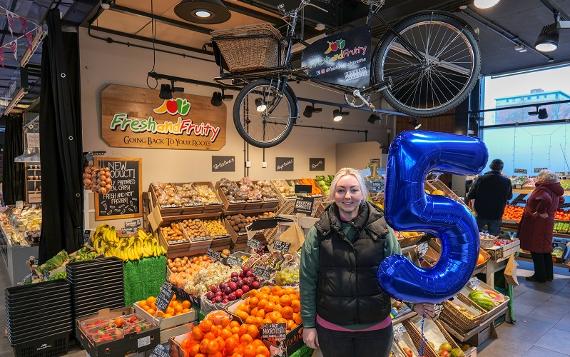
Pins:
x,y
225,301
213,288
210,295
234,275
232,296
249,273
255,284
239,283
234,279
227,290
218,299
239,293
245,288
232,286
219,293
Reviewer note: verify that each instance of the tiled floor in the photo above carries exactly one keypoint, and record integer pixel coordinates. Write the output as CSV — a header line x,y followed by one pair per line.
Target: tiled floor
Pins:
x,y
542,328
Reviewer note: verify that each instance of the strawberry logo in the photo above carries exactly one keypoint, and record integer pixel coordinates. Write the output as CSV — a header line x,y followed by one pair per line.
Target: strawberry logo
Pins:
x,y
174,106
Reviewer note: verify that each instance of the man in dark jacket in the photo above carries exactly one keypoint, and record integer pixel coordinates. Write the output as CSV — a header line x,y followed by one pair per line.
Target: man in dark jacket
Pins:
x,y
491,193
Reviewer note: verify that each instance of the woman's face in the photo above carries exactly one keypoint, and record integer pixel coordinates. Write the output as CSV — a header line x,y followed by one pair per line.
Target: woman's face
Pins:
x,y
347,194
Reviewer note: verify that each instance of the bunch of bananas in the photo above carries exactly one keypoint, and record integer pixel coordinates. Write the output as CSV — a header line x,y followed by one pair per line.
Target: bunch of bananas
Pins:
x,y
105,241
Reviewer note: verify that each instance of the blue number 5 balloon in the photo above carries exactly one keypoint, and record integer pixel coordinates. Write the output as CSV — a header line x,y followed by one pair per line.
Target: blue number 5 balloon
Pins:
x,y
411,157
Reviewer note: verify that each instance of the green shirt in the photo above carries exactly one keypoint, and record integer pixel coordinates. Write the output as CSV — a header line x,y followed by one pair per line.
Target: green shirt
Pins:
x,y
309,271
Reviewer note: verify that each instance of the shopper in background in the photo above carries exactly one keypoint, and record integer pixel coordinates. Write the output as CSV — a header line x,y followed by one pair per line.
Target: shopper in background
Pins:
x,y
491,193
344,310
535,228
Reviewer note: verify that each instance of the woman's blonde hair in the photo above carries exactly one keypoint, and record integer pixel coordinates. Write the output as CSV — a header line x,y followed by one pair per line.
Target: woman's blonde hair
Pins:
x,y
345,171
547,176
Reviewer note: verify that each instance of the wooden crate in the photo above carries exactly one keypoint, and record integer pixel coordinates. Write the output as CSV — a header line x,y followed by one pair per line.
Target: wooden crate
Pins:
x,y
432,185
501,252
185,249
416,336
233,207
280,196
195,210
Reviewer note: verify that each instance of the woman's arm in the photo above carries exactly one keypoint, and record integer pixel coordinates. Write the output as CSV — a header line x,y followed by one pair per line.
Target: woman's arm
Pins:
x,y
308,277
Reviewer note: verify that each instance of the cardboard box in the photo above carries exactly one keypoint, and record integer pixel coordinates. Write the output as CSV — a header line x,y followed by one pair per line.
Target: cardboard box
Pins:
x,y
130,343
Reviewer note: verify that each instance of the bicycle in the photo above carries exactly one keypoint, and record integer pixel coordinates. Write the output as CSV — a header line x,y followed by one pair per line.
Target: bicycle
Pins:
x,y
425,65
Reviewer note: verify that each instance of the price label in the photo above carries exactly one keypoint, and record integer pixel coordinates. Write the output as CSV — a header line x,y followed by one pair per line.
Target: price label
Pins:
x,y
304,205
86,236
274,336
538,169
164,297
253,244
262,272
233,261
399,331
160,351
281,246
143,341
521,171
216,256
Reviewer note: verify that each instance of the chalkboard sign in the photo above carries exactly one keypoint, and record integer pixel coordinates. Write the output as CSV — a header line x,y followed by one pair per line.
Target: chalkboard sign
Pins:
x,y
216,256
304,205
303,189
274,336
223,163
284,163
160,351
233,261
262,272
281,246
125,198
164,296
316,164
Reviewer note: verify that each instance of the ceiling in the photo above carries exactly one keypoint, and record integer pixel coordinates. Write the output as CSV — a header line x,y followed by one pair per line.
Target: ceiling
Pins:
x,y
516,22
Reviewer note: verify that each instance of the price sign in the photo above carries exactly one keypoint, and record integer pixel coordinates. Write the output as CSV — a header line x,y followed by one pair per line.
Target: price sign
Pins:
x,y
281,246
521,171
303,189
86,236
304,205
164,297
274,336
160,351
216,256
253,244
233,261
538,169
262,273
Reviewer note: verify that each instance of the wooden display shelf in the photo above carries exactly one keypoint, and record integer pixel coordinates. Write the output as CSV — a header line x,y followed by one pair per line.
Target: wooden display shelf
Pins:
x,y
481,333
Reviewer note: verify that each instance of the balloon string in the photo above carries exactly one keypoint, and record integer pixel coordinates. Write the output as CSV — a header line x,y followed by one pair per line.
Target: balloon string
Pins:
x,y
422,340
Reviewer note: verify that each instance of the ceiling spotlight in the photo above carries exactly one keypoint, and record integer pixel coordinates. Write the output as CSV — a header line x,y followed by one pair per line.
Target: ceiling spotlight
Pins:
x,y
260,105
520,48
202,11
485,4
338,114
310,109
547,41
165,91
219,97
373,118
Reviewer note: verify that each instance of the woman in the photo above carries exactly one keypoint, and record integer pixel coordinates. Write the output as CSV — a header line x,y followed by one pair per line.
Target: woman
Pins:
x,y
344,310
535,229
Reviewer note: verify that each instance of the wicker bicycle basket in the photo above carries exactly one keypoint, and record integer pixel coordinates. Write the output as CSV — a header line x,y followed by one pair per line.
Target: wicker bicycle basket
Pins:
x,y
250,47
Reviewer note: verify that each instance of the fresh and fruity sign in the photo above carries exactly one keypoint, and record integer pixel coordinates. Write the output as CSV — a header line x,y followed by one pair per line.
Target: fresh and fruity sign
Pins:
x,y
174,106
335,46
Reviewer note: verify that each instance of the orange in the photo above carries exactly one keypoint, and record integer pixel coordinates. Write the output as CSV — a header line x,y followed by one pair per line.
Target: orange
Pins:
x,y
151,311
265,289
170,311
242,330
150,300
242,315
234,324
204,345
194,350
258,321
249,351
297,318
216,330
262,303
275,316
261,313
197,333
254,311
205,325
274,299
287,312
252,331
231,344
285,300
221,343
209,336
262,350
142,304
225,334
246,339
200,355
250,320
185,311
213,347
167,316
276,290
185,304
291,324
267,320
296,305
244,307
281,321
253,301
269,307
235,330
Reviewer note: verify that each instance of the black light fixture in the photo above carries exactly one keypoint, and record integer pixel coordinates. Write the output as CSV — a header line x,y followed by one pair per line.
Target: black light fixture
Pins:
x,y
260,105
219,97
547,41
165,91
542,113
338,114
202,11
373,118
310,109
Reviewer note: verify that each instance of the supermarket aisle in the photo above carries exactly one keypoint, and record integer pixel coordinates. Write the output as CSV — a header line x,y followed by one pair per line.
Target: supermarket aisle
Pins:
x,y
543,320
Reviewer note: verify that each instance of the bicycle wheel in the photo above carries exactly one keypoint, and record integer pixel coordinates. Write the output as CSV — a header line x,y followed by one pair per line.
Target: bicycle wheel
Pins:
x,y
444,75
263,115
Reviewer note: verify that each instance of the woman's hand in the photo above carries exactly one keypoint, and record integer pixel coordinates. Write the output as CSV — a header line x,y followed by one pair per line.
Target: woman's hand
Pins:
x,y
427,310
310,338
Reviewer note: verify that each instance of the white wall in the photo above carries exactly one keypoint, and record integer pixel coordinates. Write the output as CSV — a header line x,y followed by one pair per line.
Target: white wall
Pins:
x,y
103,63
